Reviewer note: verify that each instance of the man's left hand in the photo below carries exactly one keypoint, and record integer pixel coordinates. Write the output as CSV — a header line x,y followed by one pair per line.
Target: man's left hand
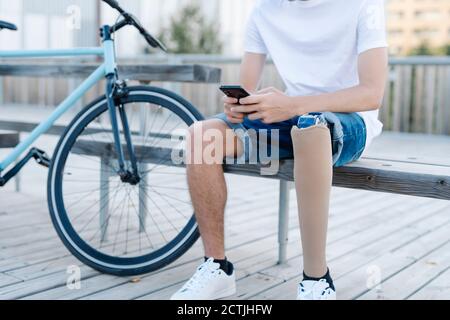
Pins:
x,y
270,105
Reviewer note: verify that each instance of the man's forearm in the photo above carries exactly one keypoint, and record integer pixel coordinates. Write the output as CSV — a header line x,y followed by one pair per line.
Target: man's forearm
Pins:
x,y
251,69
354,99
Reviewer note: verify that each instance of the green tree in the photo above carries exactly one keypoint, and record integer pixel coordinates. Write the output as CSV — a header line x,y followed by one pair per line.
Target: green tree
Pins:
x,y
190,32
422,50
446,50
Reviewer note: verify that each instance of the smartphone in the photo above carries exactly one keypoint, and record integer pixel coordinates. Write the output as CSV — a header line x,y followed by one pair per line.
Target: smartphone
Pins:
x,y
236,92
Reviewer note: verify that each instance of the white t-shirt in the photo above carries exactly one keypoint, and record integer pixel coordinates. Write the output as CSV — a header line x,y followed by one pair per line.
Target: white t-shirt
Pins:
x,y
315,44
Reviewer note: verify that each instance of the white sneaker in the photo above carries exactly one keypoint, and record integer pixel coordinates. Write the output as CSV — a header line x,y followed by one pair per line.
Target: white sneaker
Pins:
x,y
315,290
208,283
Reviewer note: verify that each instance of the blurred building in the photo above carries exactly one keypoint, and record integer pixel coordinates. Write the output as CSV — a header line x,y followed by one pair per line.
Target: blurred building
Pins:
x,y
412,23
49,23
69,23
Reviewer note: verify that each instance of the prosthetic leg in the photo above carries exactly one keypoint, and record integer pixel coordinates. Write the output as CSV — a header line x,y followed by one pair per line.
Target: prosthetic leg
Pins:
x,y
313,172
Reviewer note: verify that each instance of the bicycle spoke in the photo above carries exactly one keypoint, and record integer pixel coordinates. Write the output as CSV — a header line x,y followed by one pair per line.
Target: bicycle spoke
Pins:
x,y
152,141
128,220
90,207
81,168
160,172
80,192
101,208
79,200
147,135
140,219
158,164
118,227
165,187
96,160
156,224
171,197
162,212
105,223
171,205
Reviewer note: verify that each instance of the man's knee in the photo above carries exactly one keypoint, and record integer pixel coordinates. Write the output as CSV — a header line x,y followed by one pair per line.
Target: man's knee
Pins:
x,y
206,141
202,131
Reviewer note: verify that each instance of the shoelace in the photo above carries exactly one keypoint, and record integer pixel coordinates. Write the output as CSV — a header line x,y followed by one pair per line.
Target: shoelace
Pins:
x,y
204,272
327,290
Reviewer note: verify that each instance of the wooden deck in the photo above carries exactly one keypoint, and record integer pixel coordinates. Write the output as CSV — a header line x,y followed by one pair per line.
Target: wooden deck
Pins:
x,y
402,240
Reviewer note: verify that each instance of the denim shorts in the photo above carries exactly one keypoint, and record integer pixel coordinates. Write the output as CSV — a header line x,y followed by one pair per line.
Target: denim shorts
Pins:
x,y
347,130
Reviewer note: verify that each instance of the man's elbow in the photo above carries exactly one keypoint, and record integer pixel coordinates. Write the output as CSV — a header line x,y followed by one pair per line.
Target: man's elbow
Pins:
x,y
374,99
375,103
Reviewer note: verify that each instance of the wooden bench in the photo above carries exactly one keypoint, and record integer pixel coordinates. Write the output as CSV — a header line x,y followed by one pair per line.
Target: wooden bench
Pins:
x,y
416,177
140,72
8,139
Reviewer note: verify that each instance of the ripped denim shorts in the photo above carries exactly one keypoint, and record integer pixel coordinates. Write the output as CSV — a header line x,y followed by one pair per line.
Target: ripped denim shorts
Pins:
x,y
347,130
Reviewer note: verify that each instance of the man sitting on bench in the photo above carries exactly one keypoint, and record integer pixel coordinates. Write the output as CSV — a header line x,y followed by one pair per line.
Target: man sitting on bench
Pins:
x,y
332,57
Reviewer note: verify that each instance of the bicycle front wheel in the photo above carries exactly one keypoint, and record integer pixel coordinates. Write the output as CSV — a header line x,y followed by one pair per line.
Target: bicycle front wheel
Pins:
x,y
113,226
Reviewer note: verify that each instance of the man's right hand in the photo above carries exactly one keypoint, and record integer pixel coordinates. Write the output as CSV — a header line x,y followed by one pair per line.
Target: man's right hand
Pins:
x,y
233,117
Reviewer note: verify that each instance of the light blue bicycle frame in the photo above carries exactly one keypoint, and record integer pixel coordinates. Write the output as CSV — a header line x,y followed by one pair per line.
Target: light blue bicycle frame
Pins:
x,y
108,67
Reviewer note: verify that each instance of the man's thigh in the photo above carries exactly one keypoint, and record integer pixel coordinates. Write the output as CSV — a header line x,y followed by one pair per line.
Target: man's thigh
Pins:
x,y
215,131
262,138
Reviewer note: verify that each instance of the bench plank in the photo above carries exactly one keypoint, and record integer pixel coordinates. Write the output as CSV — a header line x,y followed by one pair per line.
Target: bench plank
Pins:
x,y
163,72
367,174
9,139
416,179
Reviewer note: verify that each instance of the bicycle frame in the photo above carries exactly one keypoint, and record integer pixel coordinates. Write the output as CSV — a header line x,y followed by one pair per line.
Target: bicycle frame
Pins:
x,y
108,70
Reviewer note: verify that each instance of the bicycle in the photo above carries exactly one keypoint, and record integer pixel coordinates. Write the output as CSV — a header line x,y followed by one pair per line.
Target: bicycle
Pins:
x,y
107,233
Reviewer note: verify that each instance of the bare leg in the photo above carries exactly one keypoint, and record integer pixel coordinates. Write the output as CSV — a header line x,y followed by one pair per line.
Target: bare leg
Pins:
x,y
206,181
313,178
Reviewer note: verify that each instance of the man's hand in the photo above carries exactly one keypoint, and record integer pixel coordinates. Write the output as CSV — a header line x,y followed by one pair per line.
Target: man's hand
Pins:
x,y
270,105
250,74
229,104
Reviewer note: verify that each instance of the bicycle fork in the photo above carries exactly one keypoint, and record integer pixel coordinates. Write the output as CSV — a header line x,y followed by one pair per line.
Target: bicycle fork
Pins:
x,y
116,90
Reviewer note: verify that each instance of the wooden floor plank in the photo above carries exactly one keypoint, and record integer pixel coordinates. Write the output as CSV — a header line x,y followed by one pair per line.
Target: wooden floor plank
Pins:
x,y
414,276
391,263
437,289
7,280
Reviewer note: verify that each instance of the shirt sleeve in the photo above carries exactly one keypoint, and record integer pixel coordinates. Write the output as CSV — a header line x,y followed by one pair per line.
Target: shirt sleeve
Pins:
x,y
371,26
254,43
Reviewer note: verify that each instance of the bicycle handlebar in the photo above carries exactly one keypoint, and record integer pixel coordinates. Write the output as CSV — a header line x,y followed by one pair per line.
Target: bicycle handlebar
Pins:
x,y
129,19
115,5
